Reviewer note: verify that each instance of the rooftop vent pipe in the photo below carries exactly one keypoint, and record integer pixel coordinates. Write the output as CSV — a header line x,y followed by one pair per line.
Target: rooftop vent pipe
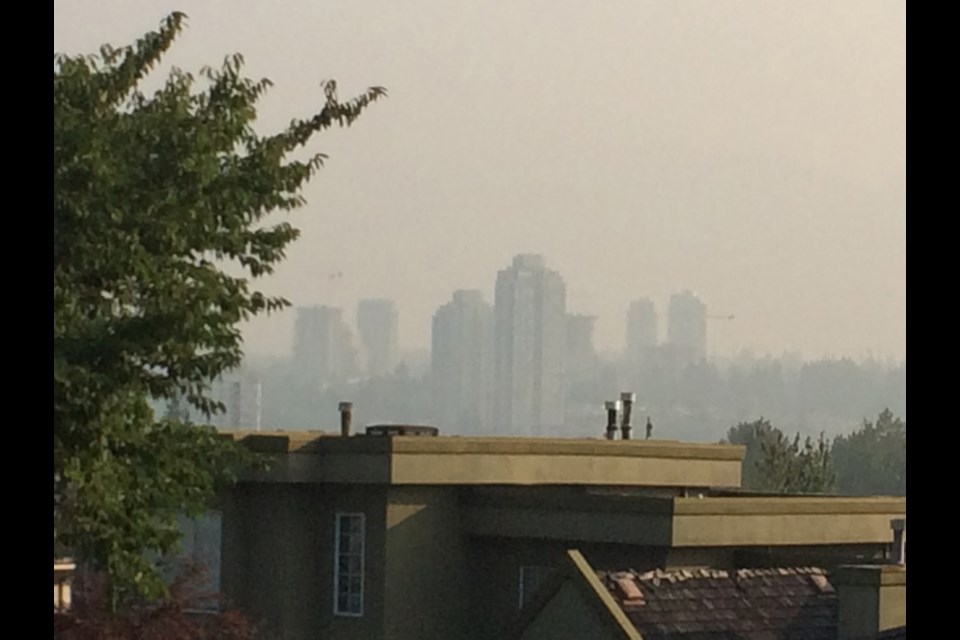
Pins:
x,y
346,418
899,550
626,427
612,407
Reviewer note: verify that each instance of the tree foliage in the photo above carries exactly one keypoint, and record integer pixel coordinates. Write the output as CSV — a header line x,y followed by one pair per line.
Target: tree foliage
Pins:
x,y
873,459
751,435
156,197
772,462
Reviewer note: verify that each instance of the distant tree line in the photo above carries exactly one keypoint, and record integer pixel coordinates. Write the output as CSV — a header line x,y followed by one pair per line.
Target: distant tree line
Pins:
x,y
871,460
822,395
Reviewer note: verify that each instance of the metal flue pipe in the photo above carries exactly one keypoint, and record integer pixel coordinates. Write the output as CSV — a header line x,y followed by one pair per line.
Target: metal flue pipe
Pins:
x,y
626,427
346,418
613,408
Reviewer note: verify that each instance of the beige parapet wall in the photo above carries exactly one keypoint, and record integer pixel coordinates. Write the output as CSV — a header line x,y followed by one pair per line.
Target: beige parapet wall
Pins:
x,y
873,598
448,460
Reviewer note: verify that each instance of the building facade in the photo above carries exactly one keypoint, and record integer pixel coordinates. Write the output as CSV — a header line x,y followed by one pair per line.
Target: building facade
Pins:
x,y
462,363
323,350
687,327
396,537
583,378
529,348
377,322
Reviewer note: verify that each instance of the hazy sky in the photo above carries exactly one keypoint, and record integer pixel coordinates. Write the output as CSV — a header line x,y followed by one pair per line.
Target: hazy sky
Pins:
x,y
752,151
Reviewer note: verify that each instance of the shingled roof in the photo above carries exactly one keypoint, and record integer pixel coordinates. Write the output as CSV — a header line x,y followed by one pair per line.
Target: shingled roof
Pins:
x,y
707,604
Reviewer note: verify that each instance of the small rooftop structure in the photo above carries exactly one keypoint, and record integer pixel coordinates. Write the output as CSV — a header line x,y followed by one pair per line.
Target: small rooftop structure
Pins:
x,y
401,430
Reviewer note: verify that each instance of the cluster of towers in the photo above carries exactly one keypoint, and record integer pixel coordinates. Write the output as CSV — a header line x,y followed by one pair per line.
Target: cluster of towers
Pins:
x,y
501,368
323,343
686,328
510,367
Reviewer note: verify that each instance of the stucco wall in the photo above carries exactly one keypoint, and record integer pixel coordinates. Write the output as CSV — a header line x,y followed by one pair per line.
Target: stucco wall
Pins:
x,y
428,577
278,555
893,606
496,573
568,617
872,598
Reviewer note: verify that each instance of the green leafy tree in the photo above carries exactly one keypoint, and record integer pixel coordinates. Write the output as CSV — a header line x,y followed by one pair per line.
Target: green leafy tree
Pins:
x,y
751,435
772,462
873,459
158,198
795,467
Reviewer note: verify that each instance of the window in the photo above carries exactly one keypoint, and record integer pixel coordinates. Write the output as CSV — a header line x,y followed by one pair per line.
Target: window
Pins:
x,y
200,547
348,565
531,577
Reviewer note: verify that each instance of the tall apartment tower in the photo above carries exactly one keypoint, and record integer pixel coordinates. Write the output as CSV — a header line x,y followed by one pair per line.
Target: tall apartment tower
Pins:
x,y
581,359
323,345
641,329
687,327
242,394
377,322
529,348
461,360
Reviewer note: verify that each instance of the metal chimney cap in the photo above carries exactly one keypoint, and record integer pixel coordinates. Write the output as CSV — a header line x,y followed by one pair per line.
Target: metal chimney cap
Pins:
x,y
612,405
345,406
627,396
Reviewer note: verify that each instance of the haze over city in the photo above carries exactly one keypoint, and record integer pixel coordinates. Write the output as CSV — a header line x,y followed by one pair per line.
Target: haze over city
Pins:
x,y
753,152
601,305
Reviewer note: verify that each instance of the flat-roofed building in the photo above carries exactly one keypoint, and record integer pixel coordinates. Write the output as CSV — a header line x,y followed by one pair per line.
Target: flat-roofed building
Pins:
x,y
420,536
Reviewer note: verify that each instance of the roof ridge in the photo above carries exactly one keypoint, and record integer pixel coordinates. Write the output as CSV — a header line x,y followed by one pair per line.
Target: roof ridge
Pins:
x,y
680,574
779,571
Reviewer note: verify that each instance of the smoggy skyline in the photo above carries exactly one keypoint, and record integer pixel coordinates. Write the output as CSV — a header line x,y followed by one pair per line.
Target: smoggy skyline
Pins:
x,y
752,152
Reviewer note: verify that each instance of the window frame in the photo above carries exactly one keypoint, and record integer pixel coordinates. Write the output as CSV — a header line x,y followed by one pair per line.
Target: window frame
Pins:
x,y
339,516
541,572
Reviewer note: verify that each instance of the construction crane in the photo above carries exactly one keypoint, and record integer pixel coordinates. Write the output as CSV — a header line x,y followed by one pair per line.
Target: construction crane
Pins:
x,y
333,278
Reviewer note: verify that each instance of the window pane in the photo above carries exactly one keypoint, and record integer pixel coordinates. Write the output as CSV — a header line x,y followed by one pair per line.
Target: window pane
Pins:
x,y
354,584
348,599
355,565
354,603
356,543
531,578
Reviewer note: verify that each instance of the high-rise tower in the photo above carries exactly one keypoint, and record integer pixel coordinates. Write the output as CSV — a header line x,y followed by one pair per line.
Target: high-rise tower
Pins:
x,y
529,348
687,327
323,345
462,363
377,321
